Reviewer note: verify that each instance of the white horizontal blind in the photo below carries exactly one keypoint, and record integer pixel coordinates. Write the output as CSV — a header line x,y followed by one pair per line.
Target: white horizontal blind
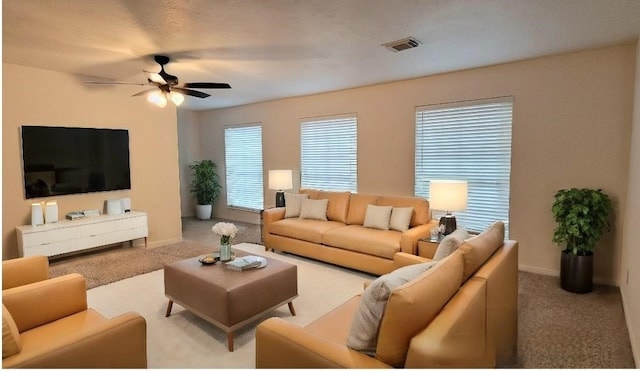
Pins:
x,y
468,141
329,153
243,159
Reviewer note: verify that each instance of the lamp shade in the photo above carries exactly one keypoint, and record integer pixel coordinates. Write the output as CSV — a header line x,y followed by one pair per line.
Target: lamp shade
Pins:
x,y
280,179
448,195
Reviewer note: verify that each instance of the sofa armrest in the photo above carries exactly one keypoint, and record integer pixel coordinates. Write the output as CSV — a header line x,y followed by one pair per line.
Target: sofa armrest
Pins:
x,y
401,259
120,342
280,344
410,237
457,337
23,271
273,215
42,302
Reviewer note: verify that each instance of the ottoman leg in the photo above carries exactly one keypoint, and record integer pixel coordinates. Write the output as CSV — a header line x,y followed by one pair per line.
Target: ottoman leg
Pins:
x,y
291,308
230,340
169,306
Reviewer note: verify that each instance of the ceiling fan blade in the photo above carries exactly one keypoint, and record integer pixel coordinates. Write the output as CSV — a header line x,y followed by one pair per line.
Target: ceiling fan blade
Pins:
x,y
193,93
114,83
155,77
143,92
207,85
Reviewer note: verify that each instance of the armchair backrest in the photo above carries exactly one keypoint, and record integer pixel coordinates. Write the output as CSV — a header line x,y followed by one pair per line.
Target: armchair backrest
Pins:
x,y
23,271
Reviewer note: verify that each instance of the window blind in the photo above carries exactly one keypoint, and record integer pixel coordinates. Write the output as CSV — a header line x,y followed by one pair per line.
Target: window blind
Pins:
x,y
468,141
243,160
329,153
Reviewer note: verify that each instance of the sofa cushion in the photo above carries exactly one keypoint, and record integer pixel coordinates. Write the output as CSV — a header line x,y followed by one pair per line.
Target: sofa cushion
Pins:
x,y
420,206
363,335
450,243
478,249
11,343
309,230
377,217
358,207
412,306
314,209
293,203
400,218
365,240
338,205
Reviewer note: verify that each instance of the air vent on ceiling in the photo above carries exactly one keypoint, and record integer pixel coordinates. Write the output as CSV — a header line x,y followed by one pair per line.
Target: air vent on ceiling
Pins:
x,y
404,44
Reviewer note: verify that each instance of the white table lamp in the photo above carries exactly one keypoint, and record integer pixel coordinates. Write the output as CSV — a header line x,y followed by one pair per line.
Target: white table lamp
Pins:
x,y
280,180
448,195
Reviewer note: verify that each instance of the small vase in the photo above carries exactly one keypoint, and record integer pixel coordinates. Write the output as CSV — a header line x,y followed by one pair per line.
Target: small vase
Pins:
x,y
225,250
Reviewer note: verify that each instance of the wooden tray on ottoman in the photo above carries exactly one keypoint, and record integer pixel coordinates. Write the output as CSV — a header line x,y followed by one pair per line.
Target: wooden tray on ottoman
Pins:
x,y
226,298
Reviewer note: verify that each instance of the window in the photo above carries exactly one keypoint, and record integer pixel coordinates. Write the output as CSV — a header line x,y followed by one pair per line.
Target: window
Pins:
x,y
243,159
468,141
329,153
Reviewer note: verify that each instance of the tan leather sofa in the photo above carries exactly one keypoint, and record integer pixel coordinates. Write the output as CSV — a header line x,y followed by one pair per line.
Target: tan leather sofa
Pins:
x,y
47,324
461,313
342,239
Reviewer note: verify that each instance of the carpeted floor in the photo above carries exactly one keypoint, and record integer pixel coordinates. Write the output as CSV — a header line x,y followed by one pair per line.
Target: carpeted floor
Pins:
x,y
556,329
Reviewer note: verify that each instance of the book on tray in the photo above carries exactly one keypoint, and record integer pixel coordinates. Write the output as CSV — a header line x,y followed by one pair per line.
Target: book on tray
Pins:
x,y
246,262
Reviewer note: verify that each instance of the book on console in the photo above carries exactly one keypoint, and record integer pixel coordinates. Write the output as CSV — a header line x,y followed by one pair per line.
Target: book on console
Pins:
x,y
244,262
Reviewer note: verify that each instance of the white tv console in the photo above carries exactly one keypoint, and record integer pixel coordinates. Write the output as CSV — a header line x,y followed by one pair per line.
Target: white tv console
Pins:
x,y
66,236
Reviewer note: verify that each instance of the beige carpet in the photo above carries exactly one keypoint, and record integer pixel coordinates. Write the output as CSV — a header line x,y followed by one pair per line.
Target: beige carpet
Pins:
x,y
185,341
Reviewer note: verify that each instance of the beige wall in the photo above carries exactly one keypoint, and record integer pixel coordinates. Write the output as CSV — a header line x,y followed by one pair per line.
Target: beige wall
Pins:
x,y
33,96
630,273
571,128
189,151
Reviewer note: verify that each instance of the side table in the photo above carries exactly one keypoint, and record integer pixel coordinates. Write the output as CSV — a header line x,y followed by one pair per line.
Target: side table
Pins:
x,y
427,247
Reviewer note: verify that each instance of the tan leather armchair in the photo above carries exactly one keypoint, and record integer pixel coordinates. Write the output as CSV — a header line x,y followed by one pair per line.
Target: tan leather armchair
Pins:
x,y
47,324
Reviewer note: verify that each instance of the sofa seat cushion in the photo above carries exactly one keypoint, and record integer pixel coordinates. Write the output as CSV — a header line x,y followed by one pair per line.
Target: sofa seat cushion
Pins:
x,y
336,324
365,240
51,333
309,230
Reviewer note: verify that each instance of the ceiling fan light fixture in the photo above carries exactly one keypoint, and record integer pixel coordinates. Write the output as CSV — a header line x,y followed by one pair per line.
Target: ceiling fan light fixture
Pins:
x,y
176,98
157,98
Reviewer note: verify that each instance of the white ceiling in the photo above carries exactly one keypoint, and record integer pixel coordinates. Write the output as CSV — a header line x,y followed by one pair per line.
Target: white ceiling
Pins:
x,y
269,49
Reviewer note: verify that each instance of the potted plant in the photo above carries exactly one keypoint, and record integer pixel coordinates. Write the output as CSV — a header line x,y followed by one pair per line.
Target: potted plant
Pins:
x,y
582,216
204,186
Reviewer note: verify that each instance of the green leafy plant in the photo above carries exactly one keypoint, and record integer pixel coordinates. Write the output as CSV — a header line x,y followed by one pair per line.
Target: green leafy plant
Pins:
x,y
204,182
582,216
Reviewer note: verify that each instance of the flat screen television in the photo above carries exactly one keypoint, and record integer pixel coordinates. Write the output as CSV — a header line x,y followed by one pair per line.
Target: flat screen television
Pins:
x,y
70,160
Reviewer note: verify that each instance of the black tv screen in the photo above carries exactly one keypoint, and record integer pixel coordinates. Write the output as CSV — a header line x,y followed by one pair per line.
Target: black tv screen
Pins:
x,y
69,160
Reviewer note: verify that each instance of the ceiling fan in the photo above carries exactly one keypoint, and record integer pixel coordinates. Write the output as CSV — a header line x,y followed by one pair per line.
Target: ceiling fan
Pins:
x,y
167,86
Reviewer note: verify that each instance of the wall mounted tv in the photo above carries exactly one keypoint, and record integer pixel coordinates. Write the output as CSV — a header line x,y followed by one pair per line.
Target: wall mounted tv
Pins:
x,y
70,160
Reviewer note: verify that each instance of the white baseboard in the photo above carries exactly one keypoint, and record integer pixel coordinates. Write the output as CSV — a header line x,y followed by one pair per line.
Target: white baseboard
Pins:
x,y
153,244
631,330
554,273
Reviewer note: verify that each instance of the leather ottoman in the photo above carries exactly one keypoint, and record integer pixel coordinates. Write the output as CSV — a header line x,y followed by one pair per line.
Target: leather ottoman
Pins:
x,y
230,299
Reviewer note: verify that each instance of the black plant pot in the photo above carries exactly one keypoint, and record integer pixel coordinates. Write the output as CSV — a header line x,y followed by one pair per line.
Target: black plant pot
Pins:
x,y
576,273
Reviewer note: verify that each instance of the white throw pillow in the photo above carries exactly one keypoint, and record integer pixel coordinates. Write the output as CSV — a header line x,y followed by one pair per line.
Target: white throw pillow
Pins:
x,y
313,209
293,202
377,217
450,243
363,335
400,218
